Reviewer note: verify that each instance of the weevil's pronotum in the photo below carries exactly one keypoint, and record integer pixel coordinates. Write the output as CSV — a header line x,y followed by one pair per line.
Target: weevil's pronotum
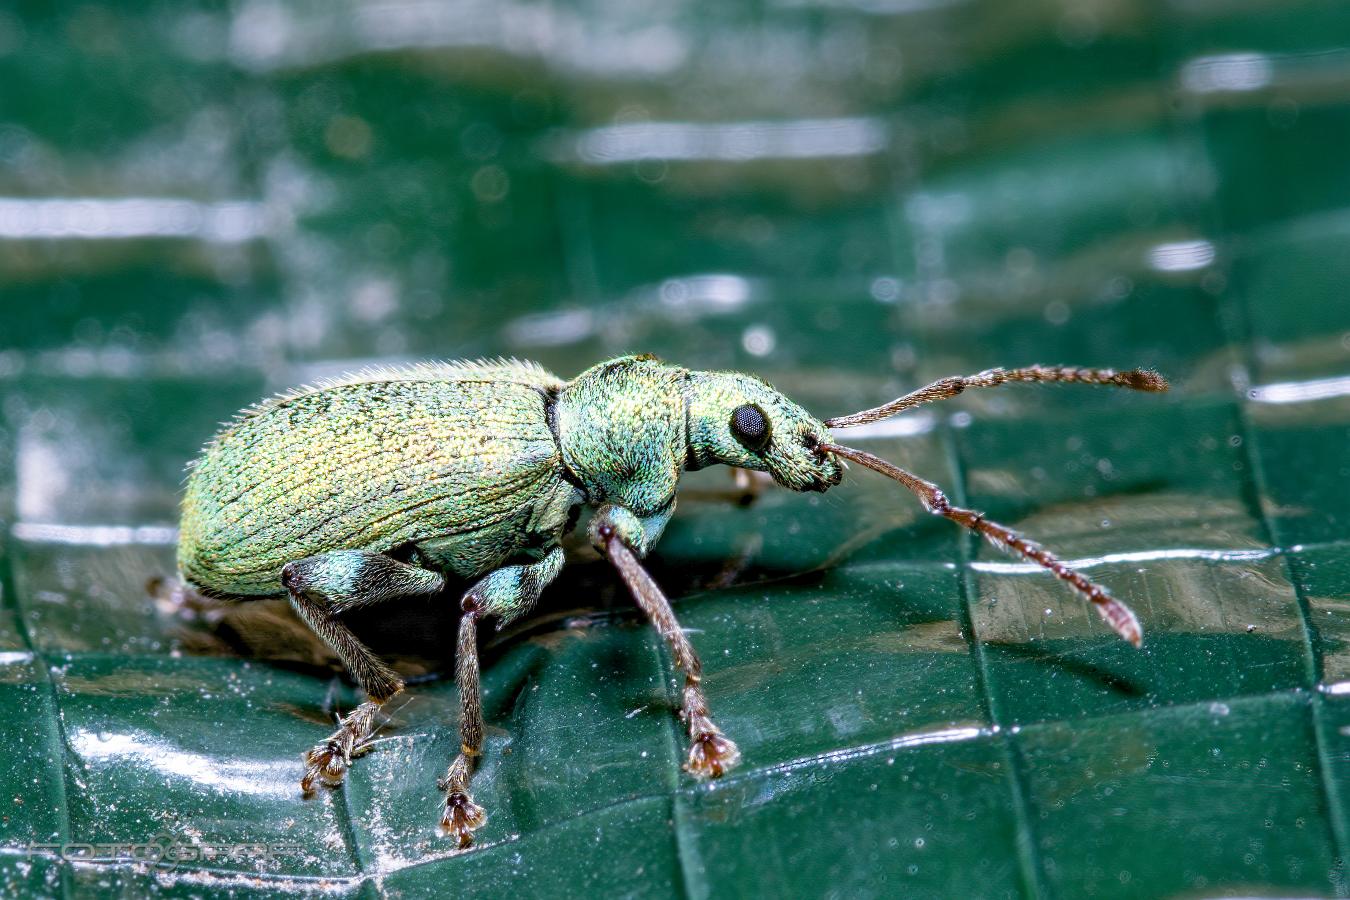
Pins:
x,y
386,483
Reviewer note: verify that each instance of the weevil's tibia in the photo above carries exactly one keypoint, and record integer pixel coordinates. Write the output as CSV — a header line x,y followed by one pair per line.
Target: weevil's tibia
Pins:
x,y
461,814
942,389
1116,614
711,753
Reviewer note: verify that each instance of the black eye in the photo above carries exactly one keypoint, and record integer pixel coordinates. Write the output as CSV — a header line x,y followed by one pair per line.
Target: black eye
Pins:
x,y
750,426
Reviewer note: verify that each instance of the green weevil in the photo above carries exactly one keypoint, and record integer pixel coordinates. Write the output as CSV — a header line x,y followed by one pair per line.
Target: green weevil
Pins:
x,y
389,482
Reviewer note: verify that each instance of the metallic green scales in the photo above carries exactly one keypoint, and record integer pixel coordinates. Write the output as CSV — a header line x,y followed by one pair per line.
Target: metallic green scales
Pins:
x,y
458,455
466,463
622,427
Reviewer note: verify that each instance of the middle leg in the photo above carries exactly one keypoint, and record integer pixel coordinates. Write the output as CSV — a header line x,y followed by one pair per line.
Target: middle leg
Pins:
x,y
507,593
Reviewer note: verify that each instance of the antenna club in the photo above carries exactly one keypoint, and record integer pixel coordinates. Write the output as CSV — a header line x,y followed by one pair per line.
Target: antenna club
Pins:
x,y
1144,380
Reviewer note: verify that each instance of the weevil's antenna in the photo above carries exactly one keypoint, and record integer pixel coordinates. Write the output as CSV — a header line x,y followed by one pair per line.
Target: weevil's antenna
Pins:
x,y
1137,379
1117,614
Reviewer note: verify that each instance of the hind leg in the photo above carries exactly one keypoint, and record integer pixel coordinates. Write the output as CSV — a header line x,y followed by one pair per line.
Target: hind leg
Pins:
x,y
508,592
321,588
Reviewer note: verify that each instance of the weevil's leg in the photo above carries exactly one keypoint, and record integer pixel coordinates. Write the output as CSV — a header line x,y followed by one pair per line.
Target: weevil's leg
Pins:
x,y
508,592
1138,379
1116,614
462,815
615,531
320,588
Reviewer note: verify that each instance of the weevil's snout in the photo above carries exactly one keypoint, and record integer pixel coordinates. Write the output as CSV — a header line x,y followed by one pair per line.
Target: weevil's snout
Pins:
x,y
829,470
832,473
739,420
800,463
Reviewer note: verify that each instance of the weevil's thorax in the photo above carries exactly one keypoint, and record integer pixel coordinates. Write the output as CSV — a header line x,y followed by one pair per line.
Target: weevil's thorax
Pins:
x,y
622,430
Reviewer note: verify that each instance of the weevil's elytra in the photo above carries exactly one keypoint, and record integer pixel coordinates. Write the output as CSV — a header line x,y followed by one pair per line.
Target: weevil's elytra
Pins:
x,y
382,484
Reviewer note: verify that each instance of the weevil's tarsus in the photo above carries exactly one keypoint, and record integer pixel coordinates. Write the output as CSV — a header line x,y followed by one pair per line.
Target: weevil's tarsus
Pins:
x,y
1116,614
373,739
711,753
944,388
327,763
461,815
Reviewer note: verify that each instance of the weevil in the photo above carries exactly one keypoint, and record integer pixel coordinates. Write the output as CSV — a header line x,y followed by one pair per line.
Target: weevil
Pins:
x,y
390,482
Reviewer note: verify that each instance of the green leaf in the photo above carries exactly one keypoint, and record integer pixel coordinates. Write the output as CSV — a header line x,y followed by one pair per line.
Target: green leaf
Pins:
x,y
919,715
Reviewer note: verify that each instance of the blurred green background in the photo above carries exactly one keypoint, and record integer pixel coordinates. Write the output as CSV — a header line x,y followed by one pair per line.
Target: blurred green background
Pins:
x,y
202,202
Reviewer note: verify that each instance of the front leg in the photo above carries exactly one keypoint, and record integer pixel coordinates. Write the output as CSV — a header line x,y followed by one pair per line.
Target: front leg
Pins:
x,y
621,537
507,593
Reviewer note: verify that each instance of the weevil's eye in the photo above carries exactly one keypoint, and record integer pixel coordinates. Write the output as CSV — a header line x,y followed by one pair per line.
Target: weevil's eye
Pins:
x,y
750,426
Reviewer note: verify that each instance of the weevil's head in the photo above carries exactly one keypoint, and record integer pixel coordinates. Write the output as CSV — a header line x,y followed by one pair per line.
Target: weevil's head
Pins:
x,y
741,420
